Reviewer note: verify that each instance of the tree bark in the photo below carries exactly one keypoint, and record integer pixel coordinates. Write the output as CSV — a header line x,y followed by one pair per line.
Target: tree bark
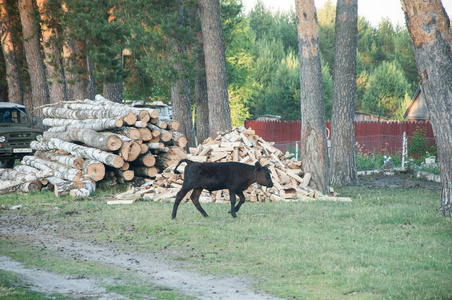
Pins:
x,y
200,86
342,160
215,61
180,87
9,54
54,66
113,91
39,90
429,27
314,156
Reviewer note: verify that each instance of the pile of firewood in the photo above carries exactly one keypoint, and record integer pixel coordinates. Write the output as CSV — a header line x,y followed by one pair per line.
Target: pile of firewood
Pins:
x,y
240,145
93,140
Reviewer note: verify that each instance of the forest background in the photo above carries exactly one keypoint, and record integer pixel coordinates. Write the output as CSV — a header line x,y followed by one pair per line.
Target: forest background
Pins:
x,y
261,55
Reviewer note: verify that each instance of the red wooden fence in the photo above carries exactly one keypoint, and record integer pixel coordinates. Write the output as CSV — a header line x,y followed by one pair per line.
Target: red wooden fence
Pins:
x,y
369,136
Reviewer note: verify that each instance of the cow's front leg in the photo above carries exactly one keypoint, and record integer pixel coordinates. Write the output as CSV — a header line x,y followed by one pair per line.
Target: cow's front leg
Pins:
x,y
232,200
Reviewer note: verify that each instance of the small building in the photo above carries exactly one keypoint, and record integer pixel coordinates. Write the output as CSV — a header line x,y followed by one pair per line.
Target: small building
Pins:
x,y
268,118
366,117
417,109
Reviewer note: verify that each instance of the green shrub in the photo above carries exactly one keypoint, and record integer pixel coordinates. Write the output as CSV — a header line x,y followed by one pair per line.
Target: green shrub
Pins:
x,y
419,146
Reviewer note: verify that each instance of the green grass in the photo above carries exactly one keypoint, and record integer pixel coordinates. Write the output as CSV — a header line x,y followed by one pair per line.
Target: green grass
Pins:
x,y
385,244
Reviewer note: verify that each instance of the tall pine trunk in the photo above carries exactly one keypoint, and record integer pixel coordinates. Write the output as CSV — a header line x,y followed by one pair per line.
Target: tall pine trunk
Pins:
x,y
35,64
54,66
342,161
113,91
81,82
429,27
215,61
200,98
9,54
180,88
314,152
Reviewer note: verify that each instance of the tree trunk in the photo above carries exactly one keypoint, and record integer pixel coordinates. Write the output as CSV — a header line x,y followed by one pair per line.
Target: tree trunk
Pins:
x,y
9,54
215,61
314,156
199,82
342,161
180,87
40,94
81,85
429,27
54,67
113,91
91,78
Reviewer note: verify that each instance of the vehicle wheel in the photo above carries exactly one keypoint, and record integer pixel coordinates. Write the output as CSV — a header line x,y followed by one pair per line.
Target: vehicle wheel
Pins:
x,y
7,163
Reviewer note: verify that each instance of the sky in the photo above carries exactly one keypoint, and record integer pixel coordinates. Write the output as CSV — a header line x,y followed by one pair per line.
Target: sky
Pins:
x,y
372,10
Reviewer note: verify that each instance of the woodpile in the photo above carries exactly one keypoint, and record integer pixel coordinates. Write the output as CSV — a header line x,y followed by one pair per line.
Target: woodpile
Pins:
x,y
93,140
240,145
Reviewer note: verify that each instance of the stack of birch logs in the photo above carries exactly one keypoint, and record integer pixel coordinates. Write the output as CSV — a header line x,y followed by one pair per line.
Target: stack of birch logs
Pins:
x,y
240,145
93,140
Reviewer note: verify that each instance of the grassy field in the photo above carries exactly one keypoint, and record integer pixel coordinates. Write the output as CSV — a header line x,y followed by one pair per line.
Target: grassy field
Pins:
x,y
386,244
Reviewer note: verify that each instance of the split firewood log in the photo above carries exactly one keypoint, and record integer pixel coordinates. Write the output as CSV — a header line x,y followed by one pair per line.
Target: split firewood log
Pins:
x,y
179,139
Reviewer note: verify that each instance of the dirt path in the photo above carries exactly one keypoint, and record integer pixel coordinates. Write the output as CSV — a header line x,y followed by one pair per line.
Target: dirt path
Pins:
x,y
150,267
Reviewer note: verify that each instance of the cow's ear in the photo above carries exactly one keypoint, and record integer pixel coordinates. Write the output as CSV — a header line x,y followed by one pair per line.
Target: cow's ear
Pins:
x,y
258,165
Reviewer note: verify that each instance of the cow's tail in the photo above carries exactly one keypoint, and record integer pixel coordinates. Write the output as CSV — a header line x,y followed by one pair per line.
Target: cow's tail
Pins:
x,y
181,161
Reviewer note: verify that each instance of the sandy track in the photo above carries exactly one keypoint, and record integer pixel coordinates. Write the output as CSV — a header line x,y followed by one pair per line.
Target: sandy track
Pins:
x,y
149,267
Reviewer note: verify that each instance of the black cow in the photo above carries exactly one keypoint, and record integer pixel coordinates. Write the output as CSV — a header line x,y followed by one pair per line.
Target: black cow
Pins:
x,y
234,176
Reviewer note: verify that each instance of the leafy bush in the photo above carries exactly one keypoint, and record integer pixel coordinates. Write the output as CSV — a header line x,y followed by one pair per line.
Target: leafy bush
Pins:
x,y
419,146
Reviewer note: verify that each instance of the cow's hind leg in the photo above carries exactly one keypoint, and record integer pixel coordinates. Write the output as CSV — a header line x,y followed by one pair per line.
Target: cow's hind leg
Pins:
x,y
179,196
195,199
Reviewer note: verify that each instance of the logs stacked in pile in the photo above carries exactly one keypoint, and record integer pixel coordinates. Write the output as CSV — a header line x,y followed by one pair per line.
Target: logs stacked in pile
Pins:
x,y
241,145
103,140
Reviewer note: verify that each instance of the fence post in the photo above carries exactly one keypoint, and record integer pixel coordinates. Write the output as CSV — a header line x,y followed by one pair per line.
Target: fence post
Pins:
x,y
296,150
404,149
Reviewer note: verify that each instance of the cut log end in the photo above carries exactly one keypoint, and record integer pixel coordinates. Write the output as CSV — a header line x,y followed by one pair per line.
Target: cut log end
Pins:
x,y
118,162
114,143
